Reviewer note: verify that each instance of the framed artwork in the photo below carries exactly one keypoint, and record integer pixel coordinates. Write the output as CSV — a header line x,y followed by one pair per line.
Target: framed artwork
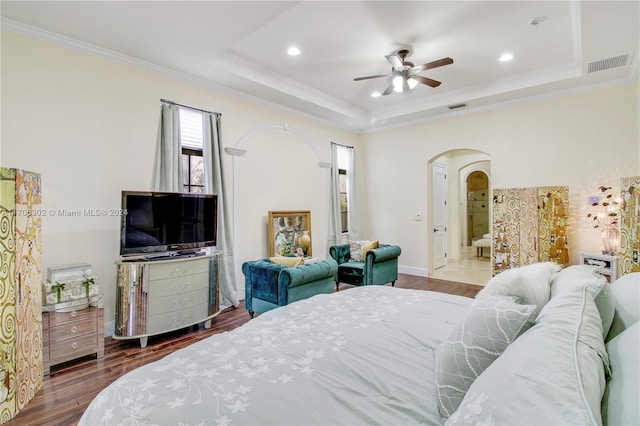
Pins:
x,y
289,233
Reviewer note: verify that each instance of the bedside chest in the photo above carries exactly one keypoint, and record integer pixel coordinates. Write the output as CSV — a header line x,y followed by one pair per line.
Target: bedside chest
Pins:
x,y
71,331
608,263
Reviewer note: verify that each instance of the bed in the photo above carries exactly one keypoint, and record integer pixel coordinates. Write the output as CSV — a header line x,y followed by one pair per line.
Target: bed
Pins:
x,y
362,356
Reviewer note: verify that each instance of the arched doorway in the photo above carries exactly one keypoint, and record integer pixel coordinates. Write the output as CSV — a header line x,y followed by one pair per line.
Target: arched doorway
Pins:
x,y
462,264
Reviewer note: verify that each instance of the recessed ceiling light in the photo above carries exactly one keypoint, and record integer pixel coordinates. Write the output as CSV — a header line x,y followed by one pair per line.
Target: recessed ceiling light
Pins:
x,y
376,94
293,51
506,57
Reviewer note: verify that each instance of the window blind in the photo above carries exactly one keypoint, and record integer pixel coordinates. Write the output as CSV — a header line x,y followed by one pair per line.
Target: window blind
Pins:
x,y
190,128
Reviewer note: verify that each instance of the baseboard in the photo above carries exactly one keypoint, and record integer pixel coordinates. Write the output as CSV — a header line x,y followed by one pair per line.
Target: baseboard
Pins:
x,y
409,270
109,328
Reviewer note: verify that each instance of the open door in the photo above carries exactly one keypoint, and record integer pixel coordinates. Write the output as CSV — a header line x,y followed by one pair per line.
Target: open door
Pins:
x,y
439,208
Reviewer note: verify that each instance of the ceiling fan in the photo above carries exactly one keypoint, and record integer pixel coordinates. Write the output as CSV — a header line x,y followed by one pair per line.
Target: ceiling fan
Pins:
x,y
404,74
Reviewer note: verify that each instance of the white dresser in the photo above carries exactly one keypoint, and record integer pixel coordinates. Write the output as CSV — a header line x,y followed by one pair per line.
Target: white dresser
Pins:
x,y
154,297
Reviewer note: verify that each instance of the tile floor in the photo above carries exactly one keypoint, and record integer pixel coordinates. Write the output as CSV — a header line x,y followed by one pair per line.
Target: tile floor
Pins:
x,y
469,269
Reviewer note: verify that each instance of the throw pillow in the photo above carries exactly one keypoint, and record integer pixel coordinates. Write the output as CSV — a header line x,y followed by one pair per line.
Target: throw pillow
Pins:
x,y
626,292
596,284
475,342
287,261
369,246
620,402
355,247
531,283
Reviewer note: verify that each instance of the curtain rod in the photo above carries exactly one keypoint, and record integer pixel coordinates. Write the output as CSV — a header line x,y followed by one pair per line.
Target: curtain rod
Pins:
x,y
341,144
164,101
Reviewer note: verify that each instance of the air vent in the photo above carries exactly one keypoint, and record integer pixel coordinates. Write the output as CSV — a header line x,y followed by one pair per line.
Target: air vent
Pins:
x,y
605,64
456,106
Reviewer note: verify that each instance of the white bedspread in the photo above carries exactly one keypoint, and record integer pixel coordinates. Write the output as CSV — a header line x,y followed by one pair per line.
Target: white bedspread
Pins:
x,y
360,356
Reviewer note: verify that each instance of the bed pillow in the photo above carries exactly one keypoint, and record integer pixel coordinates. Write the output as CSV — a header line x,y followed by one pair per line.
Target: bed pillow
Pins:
x,y
531,283
596,284
479,338
620,402
626,292
553,374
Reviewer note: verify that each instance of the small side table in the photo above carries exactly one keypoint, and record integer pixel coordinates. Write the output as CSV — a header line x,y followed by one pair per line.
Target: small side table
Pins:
x,y
71,330
608,263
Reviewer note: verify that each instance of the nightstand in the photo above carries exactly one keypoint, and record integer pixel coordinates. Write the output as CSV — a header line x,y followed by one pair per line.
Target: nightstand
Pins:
x,y
72,330
608,263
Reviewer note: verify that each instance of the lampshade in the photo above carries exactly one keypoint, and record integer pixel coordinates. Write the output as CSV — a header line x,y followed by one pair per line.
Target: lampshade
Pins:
x,y
412,82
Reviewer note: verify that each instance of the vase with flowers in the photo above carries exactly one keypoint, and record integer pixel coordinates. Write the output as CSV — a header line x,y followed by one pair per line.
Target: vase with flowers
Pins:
x,y
605,215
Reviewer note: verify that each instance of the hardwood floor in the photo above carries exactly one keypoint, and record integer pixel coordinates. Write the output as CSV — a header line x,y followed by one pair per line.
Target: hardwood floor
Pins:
x,y
72,386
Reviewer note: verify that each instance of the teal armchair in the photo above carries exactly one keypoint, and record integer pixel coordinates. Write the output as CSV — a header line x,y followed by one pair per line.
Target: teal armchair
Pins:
x,y
380,266
269,285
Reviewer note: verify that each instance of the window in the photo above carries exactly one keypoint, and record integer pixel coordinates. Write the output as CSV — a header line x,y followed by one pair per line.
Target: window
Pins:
x,y
192,160
344,204
343,165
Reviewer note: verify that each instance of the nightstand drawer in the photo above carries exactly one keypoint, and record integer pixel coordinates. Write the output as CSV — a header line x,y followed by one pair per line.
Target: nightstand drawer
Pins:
x,y
71,346
58,318
72,330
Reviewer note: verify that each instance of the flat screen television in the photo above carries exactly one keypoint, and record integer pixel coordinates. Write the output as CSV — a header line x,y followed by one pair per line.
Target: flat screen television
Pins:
x,y
165,222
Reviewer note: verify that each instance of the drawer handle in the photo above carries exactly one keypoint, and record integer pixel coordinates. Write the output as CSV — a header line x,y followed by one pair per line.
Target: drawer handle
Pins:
x,y
74,313
74,345
74,329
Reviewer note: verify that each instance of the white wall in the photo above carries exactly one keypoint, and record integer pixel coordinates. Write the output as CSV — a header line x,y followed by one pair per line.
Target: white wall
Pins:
x,y
582,141
89,126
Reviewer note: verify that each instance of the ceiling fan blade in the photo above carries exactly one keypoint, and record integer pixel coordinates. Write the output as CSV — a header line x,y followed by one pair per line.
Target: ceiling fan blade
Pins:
x,y
395,61
427,81
388,91
370,77
434,64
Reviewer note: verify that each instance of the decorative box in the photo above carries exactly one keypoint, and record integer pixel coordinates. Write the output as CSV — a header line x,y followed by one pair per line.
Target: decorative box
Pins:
x,y
69,272
69,283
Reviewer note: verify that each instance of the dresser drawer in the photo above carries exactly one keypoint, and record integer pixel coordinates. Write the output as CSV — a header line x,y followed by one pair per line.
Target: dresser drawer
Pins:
x,y
72,330
171,286
176,319
68,347
161,271
176,302
58,318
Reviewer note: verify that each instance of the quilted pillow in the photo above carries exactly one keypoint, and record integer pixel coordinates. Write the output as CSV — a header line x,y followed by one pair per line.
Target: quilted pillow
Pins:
x,y
596,284
476,341
531,283
356,248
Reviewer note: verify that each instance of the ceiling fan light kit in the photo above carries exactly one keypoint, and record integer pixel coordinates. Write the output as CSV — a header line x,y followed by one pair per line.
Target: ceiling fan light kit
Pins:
x,y
404,74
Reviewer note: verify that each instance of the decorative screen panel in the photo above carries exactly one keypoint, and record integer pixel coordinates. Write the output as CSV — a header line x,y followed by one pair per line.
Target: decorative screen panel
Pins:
x,y
630,225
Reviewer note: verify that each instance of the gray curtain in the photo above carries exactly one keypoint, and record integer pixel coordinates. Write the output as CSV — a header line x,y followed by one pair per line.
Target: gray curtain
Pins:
x,y
168,172
214,184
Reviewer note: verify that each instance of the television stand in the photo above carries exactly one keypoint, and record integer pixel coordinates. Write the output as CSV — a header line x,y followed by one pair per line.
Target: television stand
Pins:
x,y
155,296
